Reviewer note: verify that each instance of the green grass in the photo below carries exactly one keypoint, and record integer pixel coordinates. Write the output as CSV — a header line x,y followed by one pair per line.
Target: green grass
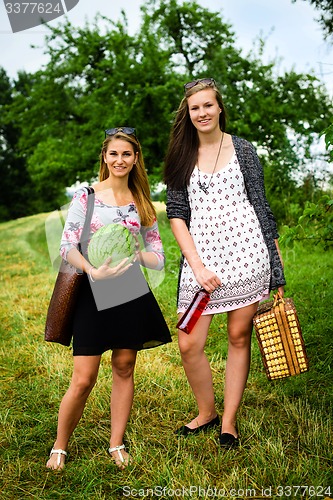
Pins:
x,y
285,426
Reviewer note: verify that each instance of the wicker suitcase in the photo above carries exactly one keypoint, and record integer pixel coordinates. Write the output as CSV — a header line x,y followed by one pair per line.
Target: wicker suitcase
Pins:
x,y
280,338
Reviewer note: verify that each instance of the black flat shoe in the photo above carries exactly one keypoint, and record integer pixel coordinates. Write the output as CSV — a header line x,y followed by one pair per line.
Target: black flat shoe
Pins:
x,y
228,440
185,431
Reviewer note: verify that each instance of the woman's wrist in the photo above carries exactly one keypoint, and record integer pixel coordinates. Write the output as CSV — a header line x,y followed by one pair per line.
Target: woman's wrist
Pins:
x,y
197,267
194,261
90,273
138,257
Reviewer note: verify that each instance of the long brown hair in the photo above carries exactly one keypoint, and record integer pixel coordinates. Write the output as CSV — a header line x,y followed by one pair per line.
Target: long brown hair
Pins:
x,y
137,181
182,153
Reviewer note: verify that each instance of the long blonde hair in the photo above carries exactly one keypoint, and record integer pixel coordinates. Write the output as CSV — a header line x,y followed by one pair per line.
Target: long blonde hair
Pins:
x,y
137,181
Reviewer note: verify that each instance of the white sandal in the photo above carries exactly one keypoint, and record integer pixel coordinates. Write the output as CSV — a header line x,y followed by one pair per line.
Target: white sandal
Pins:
x,y
121,458
59,452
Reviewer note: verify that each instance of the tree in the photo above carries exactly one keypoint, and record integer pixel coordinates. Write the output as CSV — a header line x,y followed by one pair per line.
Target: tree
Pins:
x,y
315,224
17,189
326,16
284,115
328,133
99,76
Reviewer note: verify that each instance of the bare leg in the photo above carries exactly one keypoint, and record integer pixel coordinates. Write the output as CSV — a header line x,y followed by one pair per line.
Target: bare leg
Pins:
x,y
123,363
238,363
198,370
72,405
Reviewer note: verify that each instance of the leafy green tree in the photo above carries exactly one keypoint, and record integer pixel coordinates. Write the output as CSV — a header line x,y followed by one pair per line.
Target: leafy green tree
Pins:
x,y
191,33
99,76
18,197
315,225
328,133
282,114
94,80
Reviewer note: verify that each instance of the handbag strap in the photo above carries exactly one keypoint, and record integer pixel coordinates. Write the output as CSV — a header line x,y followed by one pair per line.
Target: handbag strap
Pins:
x,y
86,227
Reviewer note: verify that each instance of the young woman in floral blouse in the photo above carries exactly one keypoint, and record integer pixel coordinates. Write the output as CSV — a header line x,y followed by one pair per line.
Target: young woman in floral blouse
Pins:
x,y
116,309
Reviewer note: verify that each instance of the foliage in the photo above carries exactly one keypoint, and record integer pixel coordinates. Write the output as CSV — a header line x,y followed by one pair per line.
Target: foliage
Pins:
x,y
325,7
328,133
17,190
314,226
99,76
285,426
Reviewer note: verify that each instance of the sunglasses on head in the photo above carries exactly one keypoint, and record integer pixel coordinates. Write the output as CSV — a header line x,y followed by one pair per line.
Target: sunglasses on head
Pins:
x,y
206,81
125,130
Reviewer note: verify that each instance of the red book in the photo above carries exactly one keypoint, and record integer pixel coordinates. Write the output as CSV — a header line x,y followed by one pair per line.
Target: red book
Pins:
x,y
194,311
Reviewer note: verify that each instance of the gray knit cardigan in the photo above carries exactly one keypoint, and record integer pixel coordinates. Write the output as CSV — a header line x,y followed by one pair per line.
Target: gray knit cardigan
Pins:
x,y
178,205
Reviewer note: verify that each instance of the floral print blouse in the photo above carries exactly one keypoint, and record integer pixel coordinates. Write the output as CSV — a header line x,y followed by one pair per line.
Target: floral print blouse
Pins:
x,y
104,214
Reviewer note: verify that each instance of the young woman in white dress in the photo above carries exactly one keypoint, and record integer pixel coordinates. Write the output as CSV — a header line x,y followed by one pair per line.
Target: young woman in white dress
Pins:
x,y
228,238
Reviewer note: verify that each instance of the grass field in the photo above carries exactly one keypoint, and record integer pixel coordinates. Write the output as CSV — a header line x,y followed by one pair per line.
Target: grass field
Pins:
x,y
285,426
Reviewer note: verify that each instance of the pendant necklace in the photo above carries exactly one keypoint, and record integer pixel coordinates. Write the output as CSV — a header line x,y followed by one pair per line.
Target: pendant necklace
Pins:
x,y
202,185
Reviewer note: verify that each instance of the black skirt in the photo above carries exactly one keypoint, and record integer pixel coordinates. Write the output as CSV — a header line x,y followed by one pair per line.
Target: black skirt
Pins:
x,y
118,313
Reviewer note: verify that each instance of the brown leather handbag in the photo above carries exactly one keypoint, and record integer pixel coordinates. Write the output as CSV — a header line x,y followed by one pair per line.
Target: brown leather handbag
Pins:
x,y
59,318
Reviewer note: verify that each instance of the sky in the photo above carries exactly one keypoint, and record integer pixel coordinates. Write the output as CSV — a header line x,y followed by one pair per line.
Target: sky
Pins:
x,y
290,30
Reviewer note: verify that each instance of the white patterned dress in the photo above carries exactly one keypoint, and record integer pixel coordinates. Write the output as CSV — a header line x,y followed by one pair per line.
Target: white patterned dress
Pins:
x,y
229,240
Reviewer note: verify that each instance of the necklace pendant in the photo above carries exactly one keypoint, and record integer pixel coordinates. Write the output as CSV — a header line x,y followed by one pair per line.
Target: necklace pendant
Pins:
x,y
203,187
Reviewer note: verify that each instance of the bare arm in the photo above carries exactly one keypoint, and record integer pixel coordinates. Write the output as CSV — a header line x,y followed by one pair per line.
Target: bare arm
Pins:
x,y
77,260
148,259
206,278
